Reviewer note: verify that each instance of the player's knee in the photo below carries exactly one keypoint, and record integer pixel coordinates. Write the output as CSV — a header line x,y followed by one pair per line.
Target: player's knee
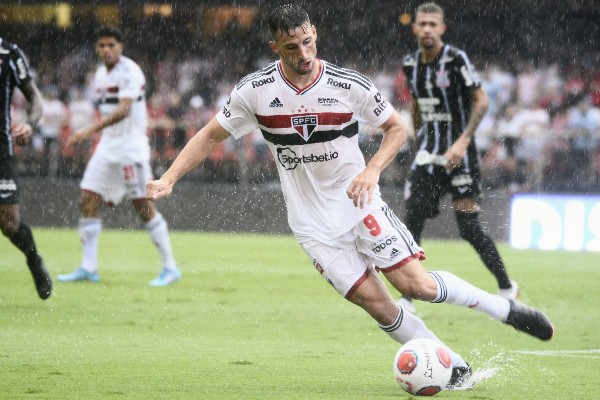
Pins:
x,y
468,226
9,225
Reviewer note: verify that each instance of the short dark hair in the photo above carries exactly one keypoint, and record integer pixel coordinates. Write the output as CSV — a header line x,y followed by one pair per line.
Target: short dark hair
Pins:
x,y
430,8
109,31
287,18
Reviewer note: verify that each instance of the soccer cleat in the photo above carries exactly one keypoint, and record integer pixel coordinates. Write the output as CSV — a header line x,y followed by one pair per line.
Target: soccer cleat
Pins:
x,y
407,304
78,275
529,320
459,377
43,281
512,293
166,277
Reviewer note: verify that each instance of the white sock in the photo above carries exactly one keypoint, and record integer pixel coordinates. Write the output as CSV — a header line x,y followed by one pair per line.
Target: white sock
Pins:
x,y
159,232
408,326
453,290
89,231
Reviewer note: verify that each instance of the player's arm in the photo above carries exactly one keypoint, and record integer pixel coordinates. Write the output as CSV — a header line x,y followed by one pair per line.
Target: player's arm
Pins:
x,y
395,133
22,132
195,151
121,112
457,151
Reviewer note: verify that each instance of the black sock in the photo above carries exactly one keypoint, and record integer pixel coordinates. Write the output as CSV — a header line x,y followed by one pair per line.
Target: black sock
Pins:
x,y
23,240
471,231
415,225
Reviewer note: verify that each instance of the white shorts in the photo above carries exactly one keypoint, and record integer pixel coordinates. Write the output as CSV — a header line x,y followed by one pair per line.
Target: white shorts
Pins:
x,y
381,241
113,181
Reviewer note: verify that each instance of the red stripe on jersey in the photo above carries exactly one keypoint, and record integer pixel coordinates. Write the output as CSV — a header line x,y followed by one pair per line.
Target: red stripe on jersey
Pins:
x,y
285,121
114,89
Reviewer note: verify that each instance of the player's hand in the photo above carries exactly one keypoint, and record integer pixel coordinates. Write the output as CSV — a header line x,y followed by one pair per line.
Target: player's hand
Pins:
x,y
362,187
158,189
21,134
456,153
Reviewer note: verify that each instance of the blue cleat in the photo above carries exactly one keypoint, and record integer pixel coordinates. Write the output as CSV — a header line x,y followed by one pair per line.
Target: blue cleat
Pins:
x,y
78,275
166,277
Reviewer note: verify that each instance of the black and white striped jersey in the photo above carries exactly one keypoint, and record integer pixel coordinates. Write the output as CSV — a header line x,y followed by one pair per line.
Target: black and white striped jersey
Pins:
x,y
14,72
313,135
442,90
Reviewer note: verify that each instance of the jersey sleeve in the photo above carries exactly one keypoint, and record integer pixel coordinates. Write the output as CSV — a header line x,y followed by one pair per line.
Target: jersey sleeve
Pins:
x,y
374,109
236,116
132,84
466,71
20,73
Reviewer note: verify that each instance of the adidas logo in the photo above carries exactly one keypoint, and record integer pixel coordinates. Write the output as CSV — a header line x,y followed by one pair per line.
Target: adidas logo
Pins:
x,y
276,103
394,253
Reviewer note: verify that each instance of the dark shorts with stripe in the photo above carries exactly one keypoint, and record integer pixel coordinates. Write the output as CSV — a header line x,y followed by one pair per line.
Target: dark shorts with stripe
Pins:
x,y
8,181
426,185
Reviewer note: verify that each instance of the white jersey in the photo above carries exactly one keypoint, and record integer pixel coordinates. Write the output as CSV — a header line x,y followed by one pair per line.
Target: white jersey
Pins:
x,y
313,134
127,139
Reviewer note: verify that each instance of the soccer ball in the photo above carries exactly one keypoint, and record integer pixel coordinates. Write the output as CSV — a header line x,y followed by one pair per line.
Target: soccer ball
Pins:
x,y
422,367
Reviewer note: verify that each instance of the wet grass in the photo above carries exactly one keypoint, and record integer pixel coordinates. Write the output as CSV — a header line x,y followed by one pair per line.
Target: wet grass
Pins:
x,y
252,319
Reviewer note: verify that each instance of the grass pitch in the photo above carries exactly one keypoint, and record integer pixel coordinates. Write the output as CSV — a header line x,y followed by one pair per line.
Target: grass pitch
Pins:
x,y
252,319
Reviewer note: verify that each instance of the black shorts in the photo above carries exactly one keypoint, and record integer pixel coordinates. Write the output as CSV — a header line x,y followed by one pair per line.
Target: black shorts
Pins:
x,y
8,182
424,190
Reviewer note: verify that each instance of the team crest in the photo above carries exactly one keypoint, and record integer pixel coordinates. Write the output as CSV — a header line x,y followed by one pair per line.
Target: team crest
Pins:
x,y
441,79
305,125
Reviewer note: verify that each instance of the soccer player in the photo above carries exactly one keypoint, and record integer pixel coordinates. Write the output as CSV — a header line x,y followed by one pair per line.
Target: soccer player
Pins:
x,y
120,165
308,111
448,104
14,72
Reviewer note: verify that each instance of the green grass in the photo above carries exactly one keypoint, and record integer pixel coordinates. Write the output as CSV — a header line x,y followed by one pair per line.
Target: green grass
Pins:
x,y
252,319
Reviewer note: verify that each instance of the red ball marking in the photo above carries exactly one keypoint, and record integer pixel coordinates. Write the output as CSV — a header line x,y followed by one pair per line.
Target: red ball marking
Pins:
x,y
407,362
429,391
444,357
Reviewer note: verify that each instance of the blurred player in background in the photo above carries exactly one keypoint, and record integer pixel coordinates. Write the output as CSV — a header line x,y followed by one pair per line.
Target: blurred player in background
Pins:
x,y
120,165
448,105
14,72
308,111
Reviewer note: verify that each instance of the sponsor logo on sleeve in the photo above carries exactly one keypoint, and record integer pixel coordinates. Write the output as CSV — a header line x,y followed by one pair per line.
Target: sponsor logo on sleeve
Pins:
x,y
381,104
21,68
262,82
343,85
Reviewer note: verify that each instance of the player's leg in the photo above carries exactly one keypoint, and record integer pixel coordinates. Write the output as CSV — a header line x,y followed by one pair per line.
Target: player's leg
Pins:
x,y
156,225
422,194
21,236
18,232
445,287
89,226
97,186
388,243
347,271
466,211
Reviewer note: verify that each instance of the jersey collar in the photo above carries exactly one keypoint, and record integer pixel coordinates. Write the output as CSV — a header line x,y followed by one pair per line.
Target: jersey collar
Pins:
x,y
295,88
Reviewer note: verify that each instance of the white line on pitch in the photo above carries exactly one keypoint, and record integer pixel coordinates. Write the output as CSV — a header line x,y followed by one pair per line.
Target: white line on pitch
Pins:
x,y
591,353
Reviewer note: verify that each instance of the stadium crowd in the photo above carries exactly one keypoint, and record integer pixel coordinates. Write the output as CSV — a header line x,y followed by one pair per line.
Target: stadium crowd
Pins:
x,y
541,133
